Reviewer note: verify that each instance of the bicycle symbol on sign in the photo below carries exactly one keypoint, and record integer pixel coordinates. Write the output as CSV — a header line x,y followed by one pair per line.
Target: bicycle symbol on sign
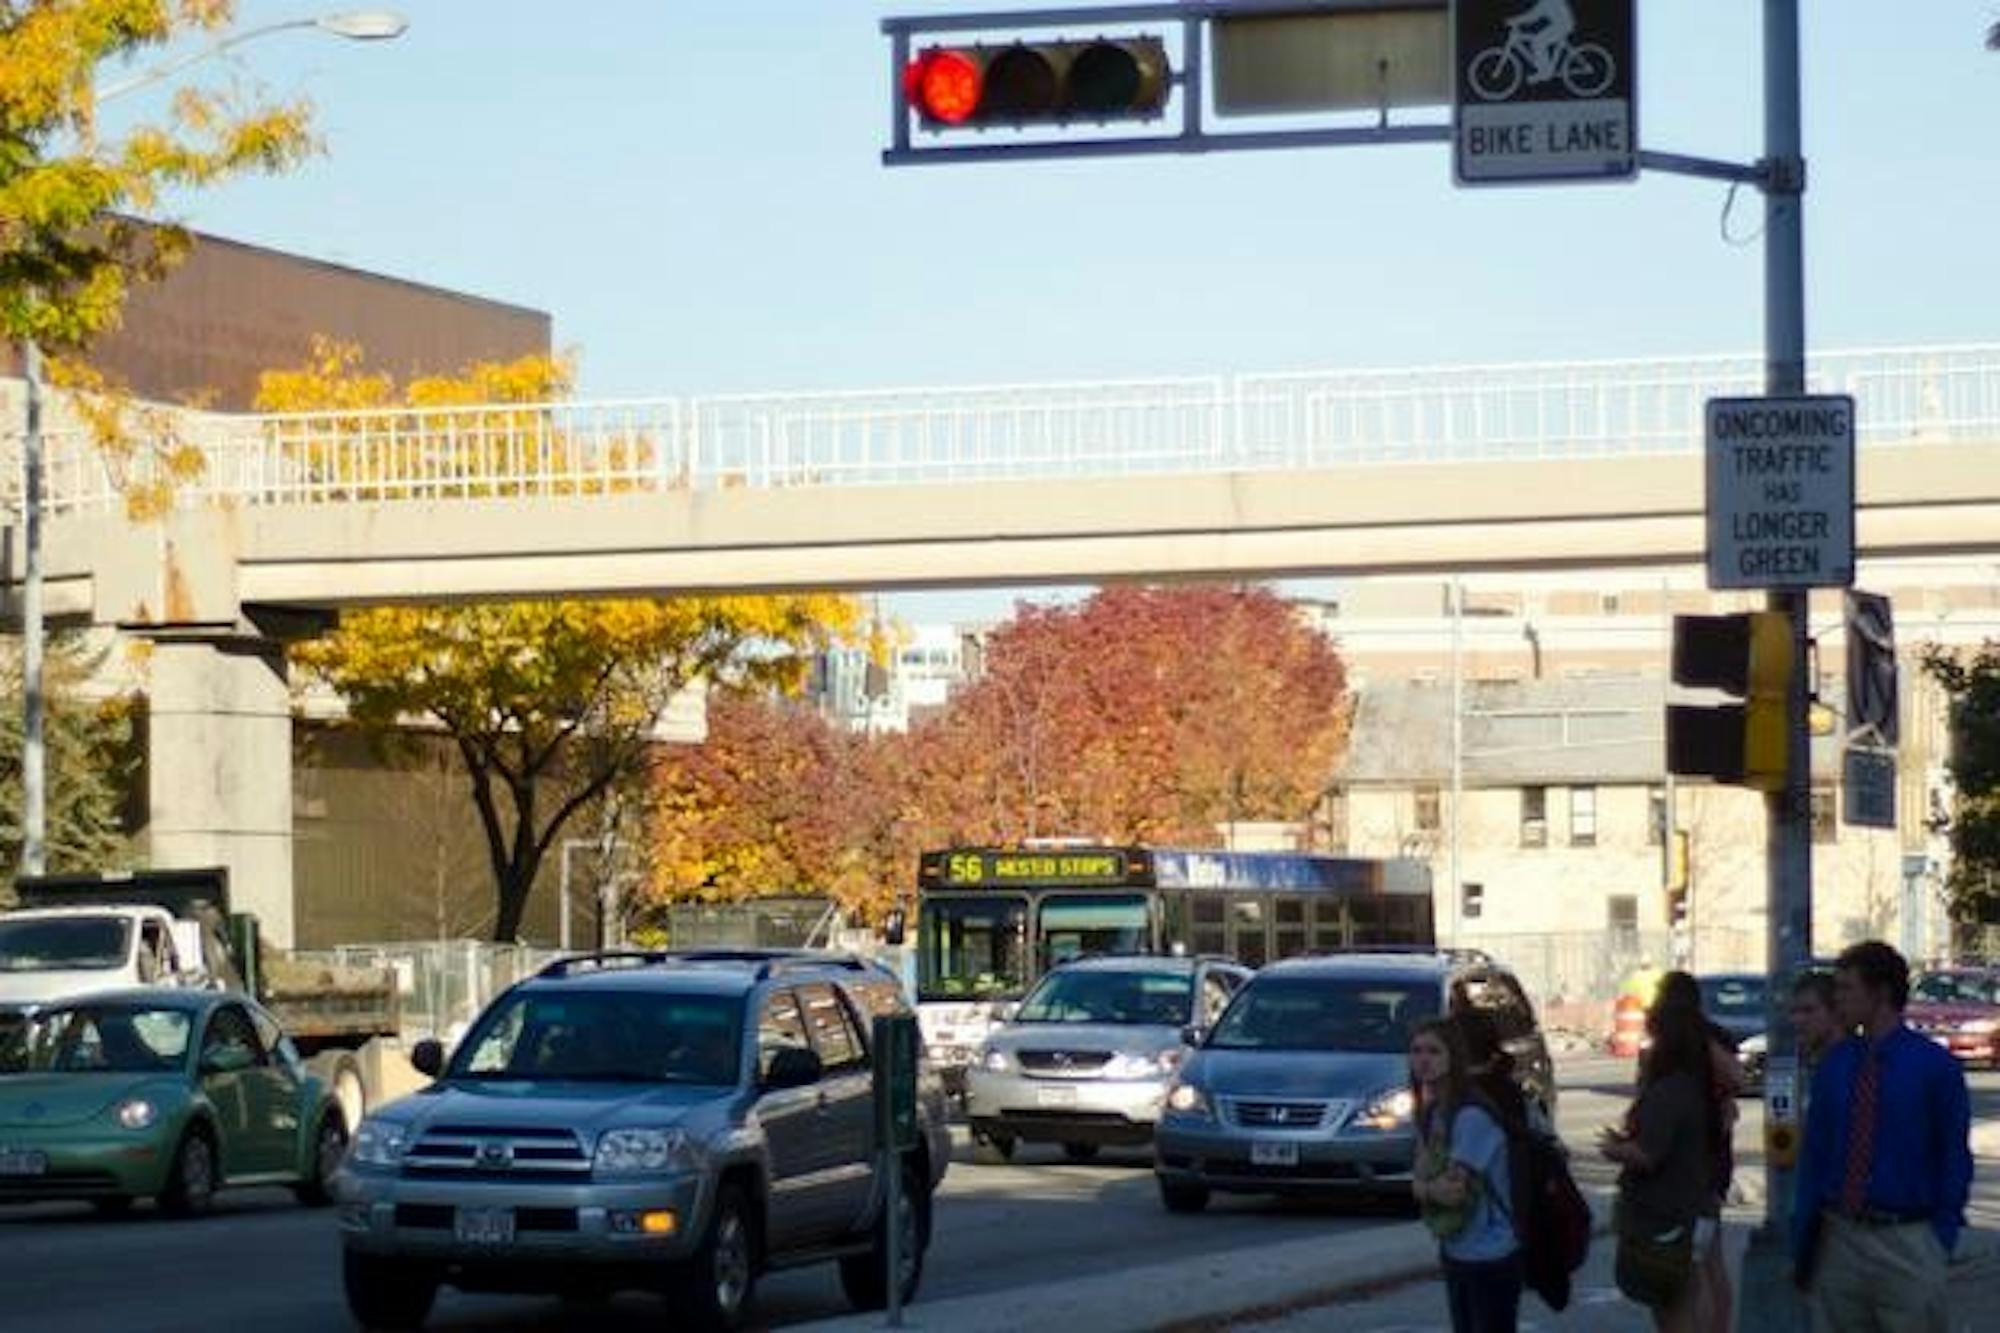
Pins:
x,y
1537,49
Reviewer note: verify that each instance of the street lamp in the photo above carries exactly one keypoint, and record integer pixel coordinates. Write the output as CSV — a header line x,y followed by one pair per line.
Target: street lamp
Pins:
x,y
357,25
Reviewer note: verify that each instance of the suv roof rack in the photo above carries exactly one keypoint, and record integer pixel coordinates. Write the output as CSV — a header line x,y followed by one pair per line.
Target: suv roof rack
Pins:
x,y
768,962
1456,954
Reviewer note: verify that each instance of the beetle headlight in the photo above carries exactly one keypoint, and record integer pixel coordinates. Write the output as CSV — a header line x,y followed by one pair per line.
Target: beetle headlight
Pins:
x,y
1391,1110
379,1144
138,1113
630,1152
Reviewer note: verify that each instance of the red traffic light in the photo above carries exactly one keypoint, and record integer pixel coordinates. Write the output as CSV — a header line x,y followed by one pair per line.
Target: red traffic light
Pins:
x,y
1029,82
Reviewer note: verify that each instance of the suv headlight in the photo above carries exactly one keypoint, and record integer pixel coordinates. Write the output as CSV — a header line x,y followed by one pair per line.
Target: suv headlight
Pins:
x,y
1186,1099
629,1152
1390,1110
1978,1025
379,1144
1131,1064
995,1061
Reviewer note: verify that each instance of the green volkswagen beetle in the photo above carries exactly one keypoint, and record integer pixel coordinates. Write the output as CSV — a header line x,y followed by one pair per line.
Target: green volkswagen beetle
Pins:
x,y
159,1093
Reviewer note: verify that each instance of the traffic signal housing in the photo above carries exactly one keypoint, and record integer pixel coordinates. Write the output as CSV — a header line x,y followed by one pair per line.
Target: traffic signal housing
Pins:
x,y
1750,656
1035,83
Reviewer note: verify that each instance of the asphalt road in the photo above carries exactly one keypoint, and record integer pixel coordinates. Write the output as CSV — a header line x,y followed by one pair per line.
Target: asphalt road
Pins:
x,y
262,1262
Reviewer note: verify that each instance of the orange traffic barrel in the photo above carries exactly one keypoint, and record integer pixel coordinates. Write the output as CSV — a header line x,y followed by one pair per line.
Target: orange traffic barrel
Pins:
x,y
1628,1026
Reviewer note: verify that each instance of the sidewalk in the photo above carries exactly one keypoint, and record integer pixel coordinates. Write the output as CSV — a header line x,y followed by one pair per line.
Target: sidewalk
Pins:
x,y
1418,1307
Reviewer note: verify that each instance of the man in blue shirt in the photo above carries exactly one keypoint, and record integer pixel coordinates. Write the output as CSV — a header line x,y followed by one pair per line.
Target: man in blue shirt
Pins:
x,y
1887,1165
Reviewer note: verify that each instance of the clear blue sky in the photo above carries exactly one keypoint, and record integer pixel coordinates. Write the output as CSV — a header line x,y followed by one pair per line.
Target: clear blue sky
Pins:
x,y
693,188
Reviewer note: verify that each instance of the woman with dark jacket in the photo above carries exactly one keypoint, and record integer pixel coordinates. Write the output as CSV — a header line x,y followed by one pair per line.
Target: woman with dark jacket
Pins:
x,y
1666,1151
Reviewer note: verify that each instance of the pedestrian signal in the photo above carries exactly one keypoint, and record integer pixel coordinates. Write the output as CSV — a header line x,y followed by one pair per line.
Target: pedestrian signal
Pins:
x,y
1031,83
1749,656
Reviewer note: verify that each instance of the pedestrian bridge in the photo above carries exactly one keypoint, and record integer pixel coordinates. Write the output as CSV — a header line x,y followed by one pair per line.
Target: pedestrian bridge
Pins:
x,y
1510,467
1450,469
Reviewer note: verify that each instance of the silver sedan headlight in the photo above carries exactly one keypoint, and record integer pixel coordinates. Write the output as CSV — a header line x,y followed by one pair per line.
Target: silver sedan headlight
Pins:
x,y
637,1152
378,1144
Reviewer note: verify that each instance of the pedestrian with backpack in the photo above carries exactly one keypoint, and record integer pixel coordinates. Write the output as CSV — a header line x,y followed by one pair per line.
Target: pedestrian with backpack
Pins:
x,y
1462,1186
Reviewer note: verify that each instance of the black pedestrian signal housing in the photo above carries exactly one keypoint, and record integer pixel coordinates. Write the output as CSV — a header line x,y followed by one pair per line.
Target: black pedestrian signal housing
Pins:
x,y
1747,655
1034,83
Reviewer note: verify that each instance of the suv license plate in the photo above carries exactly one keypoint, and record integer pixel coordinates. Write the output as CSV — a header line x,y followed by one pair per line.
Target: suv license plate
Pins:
x,y
484,1226
1274,1154
23,1162
1055,1096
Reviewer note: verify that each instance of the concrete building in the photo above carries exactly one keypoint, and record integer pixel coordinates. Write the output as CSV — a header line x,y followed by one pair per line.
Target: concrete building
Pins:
x,y
919,676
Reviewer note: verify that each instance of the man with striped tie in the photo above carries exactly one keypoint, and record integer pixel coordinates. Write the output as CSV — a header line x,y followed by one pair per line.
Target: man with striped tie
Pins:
x,y
1887,1163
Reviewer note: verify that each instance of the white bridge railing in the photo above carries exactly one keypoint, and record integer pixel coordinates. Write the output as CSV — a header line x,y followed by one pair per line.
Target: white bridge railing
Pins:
x,y
1047,431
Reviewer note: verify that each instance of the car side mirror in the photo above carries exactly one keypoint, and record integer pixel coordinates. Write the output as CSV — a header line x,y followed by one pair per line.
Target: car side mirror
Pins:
x,y
793,1067
428,1057
1192,1034
895,927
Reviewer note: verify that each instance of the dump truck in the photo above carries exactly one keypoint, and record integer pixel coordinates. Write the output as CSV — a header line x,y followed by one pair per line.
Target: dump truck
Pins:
x,y
73,934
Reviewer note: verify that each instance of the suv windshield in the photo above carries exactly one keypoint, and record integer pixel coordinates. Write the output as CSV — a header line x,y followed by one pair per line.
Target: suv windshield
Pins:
x,y
1956,988
64,944
1325,1014
1079,995
96,1039
597,1036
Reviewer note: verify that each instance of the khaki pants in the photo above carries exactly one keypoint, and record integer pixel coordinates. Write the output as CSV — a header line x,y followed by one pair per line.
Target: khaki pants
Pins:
x,y
1879,1279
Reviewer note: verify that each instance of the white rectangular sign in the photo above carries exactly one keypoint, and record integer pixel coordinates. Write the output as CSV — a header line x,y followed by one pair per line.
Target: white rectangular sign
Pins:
x,y
1541,141
1781,492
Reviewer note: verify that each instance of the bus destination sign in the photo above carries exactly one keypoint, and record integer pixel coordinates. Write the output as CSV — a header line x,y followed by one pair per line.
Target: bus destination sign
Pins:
x,y
994,869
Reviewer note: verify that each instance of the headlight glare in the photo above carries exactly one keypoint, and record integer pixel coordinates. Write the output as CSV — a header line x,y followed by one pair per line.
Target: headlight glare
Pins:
x,y
1391,1110
379,1144
624,1152
1187,1099
138,1113
1978,1025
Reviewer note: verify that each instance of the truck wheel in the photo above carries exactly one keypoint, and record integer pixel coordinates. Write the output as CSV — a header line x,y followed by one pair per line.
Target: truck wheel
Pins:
x,y
341,1073
712,1290
329,1146
387,1293
994,1149
865,1277
191,1179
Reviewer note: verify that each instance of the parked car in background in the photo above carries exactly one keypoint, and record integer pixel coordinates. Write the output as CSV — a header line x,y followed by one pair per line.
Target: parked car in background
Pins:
x,y
159,1093
1086,1059
1959,1009
677,1122
1734,1002
1303,1085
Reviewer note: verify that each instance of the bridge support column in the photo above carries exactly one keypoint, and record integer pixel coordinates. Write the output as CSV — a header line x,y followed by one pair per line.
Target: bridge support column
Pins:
x,y
219,768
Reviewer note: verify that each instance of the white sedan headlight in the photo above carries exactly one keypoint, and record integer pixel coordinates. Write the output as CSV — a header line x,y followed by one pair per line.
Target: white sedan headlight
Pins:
x,y
1131,1064
379,1144
138,1113
1391,1110
632,1152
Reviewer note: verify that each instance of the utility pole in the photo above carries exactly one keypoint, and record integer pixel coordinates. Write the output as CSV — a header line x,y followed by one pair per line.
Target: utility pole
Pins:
x,y
1770,1301
34,711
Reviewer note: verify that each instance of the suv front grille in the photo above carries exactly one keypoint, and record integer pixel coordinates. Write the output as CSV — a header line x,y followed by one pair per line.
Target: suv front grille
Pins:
x,y
1250,1113
482,1152
1063,1064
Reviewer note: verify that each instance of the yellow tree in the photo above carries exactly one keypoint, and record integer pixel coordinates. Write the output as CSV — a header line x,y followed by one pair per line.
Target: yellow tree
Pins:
x,y
551,704
68,245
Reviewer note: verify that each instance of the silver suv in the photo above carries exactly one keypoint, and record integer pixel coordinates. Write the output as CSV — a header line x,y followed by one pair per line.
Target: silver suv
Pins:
x,y
1086,1059
672,1122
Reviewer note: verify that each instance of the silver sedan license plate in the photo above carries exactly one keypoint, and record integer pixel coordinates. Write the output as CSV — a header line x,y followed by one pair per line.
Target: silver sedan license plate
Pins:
x,y
1274,1154
484,1226
23,1162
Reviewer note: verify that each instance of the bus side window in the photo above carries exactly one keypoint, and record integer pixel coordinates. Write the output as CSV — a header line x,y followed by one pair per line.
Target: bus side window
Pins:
x,y
1209,934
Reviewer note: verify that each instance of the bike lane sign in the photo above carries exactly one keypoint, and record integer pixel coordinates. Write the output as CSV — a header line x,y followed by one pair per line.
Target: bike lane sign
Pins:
x,y
1544,90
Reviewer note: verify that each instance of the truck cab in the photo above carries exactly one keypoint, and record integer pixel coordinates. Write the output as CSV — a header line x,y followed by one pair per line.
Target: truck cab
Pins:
x,y
54,953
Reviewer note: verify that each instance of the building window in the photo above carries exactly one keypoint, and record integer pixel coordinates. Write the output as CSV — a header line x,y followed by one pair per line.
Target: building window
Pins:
x,y
1427,809
1472,900
1656,816
1825,813
1583,816
1621,915
1534,816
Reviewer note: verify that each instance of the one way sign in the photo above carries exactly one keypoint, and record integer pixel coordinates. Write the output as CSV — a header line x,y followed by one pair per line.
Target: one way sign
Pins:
x,y
1544,90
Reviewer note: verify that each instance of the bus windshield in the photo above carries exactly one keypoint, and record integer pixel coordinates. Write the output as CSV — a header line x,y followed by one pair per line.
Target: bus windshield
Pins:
x,y
972,948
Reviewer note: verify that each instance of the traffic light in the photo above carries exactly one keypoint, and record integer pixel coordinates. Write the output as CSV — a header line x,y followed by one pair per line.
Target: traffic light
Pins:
x,y
1750,656
1032,83
1677,879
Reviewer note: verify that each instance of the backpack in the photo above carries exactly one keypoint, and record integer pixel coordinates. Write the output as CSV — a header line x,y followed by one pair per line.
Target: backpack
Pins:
x,y
1551,1217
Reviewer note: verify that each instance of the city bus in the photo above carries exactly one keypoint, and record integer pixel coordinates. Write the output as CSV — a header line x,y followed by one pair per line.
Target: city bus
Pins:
x,y
991,920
